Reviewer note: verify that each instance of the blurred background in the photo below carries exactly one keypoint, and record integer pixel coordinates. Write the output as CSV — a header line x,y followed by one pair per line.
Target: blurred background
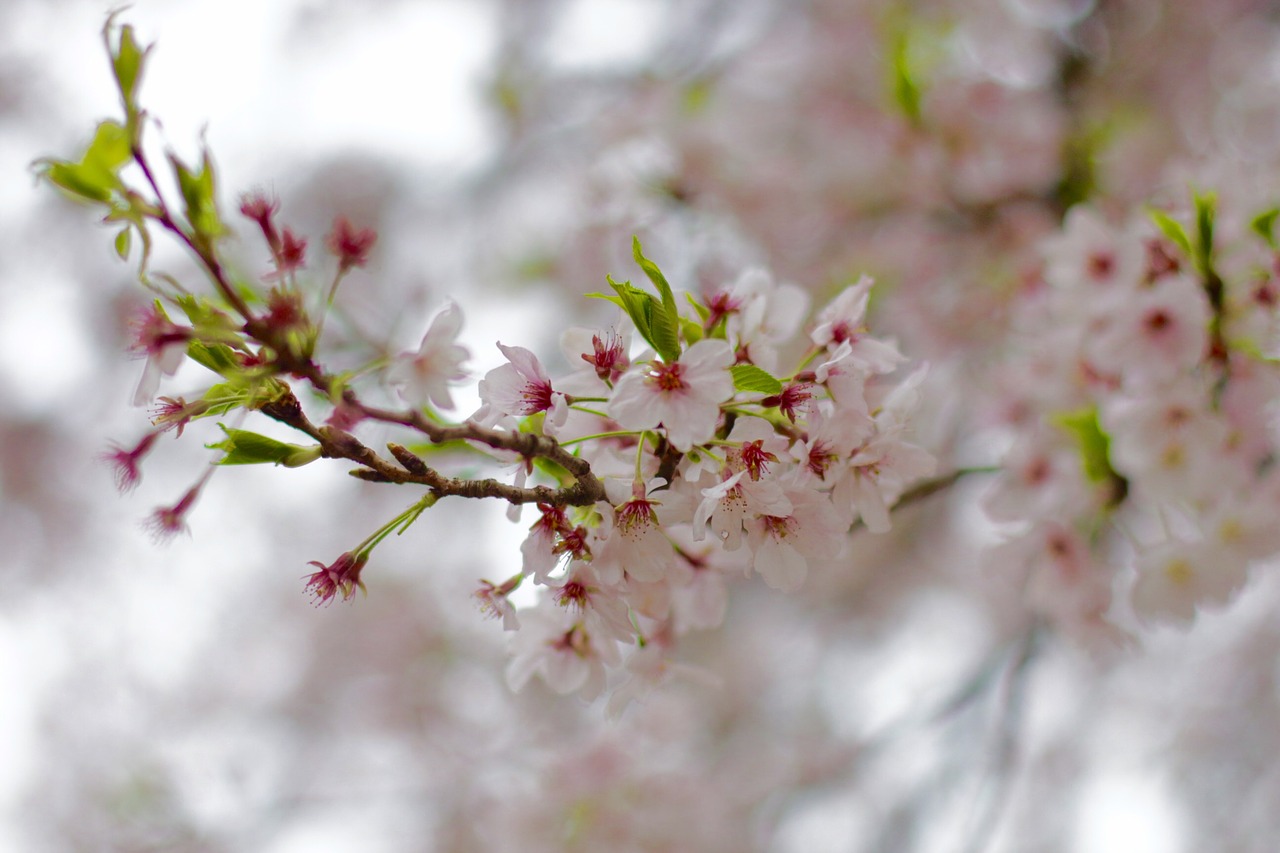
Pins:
x,y
188,696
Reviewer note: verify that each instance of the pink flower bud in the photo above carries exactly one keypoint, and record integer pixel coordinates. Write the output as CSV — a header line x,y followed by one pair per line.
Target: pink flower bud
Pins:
x,y
351,247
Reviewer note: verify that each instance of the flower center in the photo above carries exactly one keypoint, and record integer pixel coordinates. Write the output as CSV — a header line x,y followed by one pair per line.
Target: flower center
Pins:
x,y
668,377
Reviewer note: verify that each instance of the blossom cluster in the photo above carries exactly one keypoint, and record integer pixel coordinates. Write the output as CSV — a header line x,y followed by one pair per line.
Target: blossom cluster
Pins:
x,y
1142,406
676,451
709,464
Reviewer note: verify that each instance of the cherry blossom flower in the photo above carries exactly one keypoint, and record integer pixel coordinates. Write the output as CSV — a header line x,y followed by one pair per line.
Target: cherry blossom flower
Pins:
x,y
350,246
520,388
340,578
425,375
702,601
684,396
598,604
851,360
125,461
1156,333
1175,578
879,473
782,545
605,353
164,343
634,541
759,314
494,603
1088,254
841,328
555,644
168,521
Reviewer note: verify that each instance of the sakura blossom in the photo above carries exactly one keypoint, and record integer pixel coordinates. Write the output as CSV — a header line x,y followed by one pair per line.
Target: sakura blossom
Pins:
x,y
425,375
683,396
519,388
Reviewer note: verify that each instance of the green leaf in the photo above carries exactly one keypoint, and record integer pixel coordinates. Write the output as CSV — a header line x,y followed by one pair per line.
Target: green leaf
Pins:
x,y
637,304
96,176
1093,443
616,300
1206,207
1079,168
692,331
665,318
69,178
695,96
224,397
126,64
249,448
1171,228
748,377
122,243
906,87
1264,225
219,358
200,205
702,310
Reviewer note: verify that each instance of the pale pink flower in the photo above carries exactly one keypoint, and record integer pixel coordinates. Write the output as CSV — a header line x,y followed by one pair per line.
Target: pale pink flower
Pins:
x,y
781,546
1041,477
844,317
556,645
882,467
539,548
650,666
1176,578
494,603
634,540
1171,442
1091,255
879,474
833,435
846,369
600,605
1059,574
604,354
684,396
1243,521
701,603
759,314
1155,334
728,505
520,388
164,343
426,374
843,322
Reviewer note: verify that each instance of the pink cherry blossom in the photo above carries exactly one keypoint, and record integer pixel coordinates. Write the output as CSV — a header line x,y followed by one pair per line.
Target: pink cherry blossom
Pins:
x,y
783,545
425,375
554,643
520,388
684,396
1177,578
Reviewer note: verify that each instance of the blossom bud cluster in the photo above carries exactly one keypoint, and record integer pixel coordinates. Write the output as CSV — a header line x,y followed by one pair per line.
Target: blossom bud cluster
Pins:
x,y
710,465
1142,406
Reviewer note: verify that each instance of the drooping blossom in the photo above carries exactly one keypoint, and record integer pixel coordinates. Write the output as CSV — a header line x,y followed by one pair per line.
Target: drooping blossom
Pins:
x,y
164,344
125,461
342,577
